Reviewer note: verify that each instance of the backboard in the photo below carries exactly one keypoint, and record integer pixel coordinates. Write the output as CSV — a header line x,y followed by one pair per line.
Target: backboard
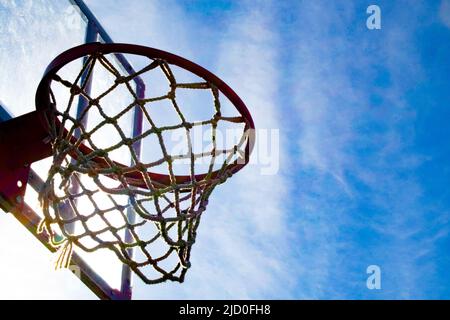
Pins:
x,y
32,33
108,180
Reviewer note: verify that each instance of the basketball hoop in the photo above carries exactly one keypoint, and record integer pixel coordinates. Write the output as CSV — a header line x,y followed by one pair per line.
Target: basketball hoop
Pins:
x,y
86,183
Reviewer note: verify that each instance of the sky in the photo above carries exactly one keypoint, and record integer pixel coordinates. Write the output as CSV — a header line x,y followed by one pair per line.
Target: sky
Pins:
x,y
356,121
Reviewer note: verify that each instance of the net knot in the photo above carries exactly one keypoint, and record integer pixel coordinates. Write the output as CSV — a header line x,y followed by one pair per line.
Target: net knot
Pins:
x,y
121,79
171,94
128,141
95,102
75,90
92,172
141,167
187,125
85,136
140,102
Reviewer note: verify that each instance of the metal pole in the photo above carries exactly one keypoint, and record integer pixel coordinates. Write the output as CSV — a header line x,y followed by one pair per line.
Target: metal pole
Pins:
x,y
94,25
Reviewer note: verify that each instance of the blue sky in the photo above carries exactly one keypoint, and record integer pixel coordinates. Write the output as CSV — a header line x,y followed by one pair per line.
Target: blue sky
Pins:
x,y
364,152
362,118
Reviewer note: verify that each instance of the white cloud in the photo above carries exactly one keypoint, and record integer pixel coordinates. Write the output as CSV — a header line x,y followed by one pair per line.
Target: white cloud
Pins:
x,y
287,236
444,12
243,248
27,268
348,143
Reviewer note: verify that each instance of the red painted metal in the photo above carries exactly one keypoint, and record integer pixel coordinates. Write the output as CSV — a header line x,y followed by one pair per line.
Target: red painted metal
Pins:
x,y
23,140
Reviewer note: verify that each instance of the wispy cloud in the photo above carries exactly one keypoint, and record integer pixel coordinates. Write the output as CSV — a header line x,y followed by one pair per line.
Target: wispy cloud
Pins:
x,y
27,271
348,193
444,12
356,142
243,248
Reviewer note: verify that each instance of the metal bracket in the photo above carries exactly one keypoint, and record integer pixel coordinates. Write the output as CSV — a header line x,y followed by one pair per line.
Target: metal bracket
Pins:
x,y
23,140
13,185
